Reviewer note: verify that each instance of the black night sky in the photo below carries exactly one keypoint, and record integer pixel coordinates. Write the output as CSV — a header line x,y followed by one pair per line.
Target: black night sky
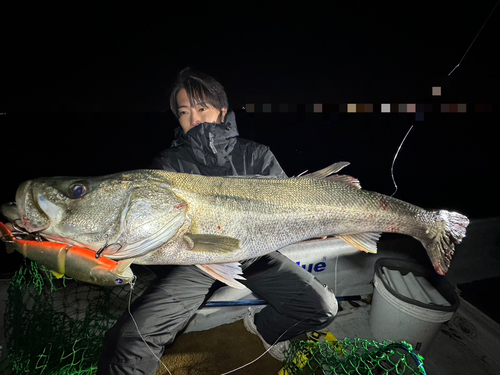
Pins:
x,y
84,89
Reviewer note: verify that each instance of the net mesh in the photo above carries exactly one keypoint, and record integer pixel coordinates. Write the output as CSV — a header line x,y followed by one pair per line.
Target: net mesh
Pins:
x,y
57,326
351,356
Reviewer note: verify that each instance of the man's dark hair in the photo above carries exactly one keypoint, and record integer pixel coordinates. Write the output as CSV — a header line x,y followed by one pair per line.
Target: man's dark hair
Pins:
x,y
201,89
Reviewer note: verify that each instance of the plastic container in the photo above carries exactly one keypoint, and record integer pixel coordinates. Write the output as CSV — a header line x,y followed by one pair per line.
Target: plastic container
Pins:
x,y
410,303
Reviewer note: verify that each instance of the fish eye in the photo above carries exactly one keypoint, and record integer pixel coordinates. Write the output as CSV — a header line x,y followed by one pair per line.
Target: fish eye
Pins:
x,y
119,281
77,190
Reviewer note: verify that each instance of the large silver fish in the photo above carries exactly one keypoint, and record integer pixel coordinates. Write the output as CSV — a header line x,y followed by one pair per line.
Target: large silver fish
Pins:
x,y
158,217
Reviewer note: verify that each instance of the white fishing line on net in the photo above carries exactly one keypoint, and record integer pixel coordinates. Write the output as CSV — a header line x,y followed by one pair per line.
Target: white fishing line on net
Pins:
x,y
132,284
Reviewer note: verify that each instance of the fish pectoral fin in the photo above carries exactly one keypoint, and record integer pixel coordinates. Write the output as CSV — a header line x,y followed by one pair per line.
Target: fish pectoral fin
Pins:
x,y
57,274
225,272
366,242
211,243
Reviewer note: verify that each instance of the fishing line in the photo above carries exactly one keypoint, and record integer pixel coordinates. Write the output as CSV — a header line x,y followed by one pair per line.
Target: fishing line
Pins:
x,y
466,52
394,160
474,38
277,340
132,284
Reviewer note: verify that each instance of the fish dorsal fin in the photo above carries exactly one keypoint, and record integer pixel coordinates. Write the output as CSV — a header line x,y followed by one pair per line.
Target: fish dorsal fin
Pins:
x,y
326,174
211,243
225,272
366,242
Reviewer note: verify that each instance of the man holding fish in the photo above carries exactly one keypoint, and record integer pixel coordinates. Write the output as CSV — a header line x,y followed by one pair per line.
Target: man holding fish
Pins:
x,y
210,218
207,143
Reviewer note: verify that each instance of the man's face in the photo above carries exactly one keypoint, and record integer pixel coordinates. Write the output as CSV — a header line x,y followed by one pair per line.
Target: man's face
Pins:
x,y
192,116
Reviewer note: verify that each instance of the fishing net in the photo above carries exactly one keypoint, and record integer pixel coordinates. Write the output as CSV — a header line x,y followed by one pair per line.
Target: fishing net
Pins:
x,y
350,356
57,326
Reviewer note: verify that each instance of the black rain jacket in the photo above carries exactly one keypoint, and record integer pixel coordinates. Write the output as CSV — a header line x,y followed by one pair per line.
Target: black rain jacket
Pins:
x,y
216,150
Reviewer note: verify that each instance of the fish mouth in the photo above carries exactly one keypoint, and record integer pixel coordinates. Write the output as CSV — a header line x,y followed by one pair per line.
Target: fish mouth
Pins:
x,y
11,213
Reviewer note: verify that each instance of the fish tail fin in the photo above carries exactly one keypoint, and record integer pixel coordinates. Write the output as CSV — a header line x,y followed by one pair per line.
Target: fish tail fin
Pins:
x,y
447,230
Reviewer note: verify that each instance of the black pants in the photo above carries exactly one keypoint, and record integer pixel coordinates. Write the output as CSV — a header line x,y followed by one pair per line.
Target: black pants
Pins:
x,y
168,304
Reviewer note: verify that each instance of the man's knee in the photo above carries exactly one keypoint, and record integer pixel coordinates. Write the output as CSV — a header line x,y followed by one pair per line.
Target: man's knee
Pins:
x,y
326,305
123,342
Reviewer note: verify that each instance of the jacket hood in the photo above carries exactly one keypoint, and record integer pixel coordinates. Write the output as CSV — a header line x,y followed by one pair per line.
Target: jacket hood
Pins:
x,y
210,143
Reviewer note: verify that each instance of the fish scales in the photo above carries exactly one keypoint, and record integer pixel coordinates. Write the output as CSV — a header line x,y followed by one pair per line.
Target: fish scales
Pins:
x,y
267,214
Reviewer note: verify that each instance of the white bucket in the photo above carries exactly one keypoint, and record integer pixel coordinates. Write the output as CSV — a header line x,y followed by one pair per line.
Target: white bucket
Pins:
x,y
410,303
